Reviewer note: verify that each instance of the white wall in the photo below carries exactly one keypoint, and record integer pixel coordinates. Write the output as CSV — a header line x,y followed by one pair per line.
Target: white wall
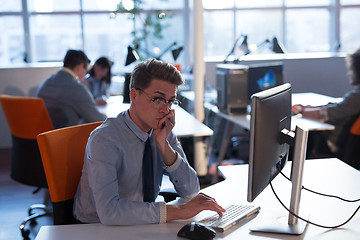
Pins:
x,y
325,74
21,81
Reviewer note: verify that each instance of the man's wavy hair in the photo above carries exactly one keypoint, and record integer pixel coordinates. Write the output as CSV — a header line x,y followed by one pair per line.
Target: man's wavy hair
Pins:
x,y
145,72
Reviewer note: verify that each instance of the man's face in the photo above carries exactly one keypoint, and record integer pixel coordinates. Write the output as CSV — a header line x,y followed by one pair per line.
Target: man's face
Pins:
x,y
100,72
146,113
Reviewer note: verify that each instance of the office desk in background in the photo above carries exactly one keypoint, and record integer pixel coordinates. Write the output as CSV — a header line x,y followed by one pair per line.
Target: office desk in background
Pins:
x,y
243,120
330,176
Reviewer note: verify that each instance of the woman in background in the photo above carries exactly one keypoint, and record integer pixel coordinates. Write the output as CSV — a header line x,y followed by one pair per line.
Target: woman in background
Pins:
x,y
342,114
98,80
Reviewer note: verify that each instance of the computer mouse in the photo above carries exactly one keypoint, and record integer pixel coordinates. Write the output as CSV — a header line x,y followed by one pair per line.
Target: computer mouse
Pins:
x,y
198,231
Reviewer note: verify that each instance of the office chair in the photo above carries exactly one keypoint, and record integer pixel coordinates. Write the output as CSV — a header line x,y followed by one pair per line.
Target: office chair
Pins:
x,y
62,151
352,148
27,117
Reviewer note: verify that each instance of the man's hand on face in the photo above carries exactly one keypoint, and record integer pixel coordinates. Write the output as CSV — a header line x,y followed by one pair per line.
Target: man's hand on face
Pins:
x,y
165,126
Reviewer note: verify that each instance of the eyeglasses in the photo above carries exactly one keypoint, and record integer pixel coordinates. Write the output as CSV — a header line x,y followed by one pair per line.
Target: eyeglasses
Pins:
x,y
160,101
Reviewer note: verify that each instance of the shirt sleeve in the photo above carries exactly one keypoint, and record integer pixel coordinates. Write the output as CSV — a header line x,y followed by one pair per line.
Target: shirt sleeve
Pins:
x,y
349,107
182,175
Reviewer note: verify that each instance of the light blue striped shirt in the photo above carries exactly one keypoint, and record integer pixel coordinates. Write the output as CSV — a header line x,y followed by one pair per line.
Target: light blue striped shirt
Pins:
x,y
110,188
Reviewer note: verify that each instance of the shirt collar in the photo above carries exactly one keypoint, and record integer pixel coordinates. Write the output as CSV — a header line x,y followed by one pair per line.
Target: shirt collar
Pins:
x,y
71,72
135,129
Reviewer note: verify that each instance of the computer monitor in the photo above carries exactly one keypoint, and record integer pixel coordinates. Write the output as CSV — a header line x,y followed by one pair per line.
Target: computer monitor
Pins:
x,y
262,76
270,141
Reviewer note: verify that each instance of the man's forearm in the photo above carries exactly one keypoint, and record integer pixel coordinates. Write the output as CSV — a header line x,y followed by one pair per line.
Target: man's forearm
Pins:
x,y
168,154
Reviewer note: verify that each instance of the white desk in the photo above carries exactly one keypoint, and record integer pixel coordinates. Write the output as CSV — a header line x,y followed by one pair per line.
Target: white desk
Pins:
x,y
326,175
313,99
186,125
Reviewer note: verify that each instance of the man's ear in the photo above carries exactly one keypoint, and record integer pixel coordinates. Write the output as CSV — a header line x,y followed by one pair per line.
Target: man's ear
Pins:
x,y
133,94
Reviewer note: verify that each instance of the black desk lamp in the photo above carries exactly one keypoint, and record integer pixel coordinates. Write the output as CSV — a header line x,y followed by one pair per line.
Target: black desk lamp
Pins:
x,y
277,47
274,45
132,55
176,52
243,47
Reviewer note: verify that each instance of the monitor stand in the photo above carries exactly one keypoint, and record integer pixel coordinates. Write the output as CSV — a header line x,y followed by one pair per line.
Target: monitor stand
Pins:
x,y
275,223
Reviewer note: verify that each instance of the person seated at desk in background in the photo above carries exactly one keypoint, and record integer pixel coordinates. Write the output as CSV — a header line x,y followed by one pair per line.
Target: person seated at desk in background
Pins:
x,y
117,187
99,79
67,100
342,114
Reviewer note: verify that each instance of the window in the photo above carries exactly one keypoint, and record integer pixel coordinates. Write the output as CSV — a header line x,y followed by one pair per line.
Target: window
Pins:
x,y
107,36
50,27
53,35
349,30
311,34
12,43
300,25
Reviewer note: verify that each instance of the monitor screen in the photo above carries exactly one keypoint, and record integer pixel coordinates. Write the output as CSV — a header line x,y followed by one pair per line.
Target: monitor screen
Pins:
x,y
264,76
270,141
271,112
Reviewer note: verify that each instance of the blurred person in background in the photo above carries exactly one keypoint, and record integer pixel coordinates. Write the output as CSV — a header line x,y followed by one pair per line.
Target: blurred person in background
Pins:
x,y
99,79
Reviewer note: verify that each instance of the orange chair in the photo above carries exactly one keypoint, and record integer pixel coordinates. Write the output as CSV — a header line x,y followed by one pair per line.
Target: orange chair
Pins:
x,y
62,152
27,117
355,128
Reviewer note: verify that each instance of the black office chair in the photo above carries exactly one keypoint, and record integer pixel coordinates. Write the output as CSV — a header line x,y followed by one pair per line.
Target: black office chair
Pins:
x,y
27,117
352,148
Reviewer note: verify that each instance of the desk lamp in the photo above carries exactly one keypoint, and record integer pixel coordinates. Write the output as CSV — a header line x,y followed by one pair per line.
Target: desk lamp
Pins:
x,y
243,47
274,45
176,52
132,54
277,47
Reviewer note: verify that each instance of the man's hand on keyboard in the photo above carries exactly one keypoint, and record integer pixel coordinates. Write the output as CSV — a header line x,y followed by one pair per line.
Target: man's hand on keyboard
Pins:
x,y
193,207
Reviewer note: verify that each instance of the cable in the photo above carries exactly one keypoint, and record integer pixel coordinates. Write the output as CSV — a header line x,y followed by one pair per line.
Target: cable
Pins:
x,y
315,224
321,194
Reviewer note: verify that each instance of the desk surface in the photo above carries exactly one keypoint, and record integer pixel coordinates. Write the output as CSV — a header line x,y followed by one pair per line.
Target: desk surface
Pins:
x,y
312,99
186,125
326,175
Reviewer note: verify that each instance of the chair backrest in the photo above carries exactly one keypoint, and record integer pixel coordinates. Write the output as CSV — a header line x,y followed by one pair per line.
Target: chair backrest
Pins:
x,y
62,152
27,117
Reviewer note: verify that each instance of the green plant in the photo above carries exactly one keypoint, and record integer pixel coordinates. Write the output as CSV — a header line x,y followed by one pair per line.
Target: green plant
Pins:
x,y
146,23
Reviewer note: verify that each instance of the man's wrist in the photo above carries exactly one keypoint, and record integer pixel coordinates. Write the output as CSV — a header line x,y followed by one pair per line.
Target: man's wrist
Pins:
x,y
172,212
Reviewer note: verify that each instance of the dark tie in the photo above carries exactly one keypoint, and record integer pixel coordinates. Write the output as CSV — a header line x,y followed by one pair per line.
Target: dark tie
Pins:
x,y
148,173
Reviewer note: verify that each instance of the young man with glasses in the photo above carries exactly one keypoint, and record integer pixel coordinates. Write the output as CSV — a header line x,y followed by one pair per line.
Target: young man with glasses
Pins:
x,y
113,189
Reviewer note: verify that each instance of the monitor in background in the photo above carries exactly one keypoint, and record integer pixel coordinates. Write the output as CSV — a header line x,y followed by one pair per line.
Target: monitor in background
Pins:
x,y
235,83
232,88
270,141
263,76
